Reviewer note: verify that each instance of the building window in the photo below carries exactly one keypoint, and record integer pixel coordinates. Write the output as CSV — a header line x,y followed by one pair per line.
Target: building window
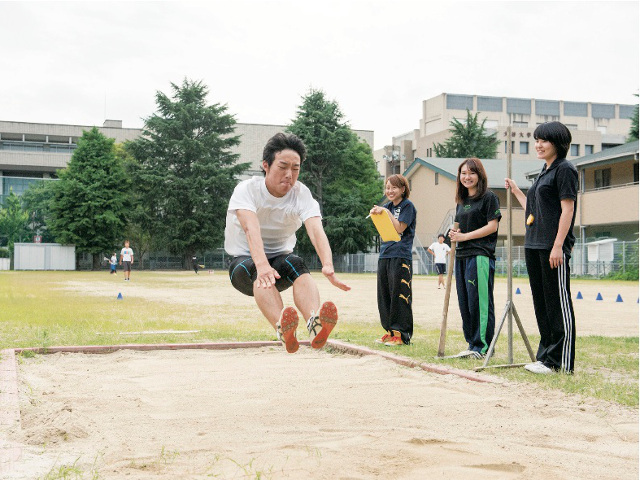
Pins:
x,y
437,177
575,150
524,148
588,149
571,126
602,178
513,147
521,124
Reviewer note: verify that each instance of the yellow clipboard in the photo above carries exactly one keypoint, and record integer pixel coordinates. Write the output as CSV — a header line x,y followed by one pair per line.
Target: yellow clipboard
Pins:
x,y
385,227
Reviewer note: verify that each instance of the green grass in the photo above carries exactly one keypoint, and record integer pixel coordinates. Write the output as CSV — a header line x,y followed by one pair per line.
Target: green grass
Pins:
x,y
38,309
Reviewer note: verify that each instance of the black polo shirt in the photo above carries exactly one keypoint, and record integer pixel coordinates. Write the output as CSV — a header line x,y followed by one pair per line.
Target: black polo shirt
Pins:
x,y
475,213
558,182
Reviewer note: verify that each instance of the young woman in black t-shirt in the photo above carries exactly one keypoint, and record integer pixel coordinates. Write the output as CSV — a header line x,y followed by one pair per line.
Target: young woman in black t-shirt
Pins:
x,y
550,215
478,214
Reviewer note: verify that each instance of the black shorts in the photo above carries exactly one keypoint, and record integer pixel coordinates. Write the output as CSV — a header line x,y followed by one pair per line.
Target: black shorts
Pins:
x,y
126,266
441,268
243,273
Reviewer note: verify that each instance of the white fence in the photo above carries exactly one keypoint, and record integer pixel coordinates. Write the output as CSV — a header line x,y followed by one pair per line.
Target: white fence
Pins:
x,y
44,256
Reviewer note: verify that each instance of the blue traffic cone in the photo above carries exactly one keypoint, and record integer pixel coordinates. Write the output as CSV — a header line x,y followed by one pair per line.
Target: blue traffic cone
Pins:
x,y
619,299
599,297
518,292
119,296
579,296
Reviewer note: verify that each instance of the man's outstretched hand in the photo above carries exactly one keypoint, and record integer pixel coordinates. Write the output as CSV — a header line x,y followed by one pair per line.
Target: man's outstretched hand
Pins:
x,y
331,276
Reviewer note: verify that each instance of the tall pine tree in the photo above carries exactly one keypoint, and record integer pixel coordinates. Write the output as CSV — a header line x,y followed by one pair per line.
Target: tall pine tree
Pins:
x,y
340,172
185,171
319,123
468,139
89,206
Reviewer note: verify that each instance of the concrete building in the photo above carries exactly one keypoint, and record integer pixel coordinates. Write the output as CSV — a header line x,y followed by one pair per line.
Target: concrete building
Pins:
x,y
607,205
34,151
608,195
594,126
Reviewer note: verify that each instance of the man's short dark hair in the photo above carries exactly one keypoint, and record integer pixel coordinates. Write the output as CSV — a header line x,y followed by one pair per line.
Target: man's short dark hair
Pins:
x,y
280,142
442,235
557,134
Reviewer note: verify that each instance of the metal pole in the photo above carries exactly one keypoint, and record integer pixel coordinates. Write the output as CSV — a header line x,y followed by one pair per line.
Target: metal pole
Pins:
x,y
509,259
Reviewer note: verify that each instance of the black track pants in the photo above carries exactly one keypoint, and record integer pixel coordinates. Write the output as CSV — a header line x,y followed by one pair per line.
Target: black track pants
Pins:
x,y
394,296
554,310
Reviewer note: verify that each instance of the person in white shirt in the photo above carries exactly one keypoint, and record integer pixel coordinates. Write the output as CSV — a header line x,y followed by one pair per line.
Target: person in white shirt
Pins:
x,y
263,216
440,250
126,259
113,262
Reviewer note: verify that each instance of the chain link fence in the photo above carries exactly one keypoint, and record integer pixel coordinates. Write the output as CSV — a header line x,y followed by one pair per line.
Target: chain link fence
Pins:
x,y
624,264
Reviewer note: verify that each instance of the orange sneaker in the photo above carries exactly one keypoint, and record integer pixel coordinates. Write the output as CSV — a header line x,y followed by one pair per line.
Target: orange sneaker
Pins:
x,y
328,318
395,340
385,338
286,329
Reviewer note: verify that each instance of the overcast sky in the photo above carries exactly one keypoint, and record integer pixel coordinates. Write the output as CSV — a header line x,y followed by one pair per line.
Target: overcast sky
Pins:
x,y
82,62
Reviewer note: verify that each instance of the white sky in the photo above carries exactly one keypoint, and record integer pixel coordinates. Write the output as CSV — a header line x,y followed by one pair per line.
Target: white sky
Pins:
x,y
74,62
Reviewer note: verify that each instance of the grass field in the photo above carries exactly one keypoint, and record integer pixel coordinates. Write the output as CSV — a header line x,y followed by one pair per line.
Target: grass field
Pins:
x,y
42,309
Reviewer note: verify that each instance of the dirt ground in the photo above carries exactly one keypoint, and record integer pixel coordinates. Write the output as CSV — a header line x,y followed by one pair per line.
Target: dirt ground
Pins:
x,y
264,414
593,317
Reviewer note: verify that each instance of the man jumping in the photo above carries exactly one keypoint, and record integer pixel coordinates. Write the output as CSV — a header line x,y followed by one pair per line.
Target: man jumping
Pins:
x,y
262,219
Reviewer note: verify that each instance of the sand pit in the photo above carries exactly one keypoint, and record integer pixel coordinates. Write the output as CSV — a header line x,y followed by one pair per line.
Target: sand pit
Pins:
x,y
261,413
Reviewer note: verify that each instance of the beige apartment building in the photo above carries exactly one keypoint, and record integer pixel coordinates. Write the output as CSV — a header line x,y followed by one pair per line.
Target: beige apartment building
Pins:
x,y
607,205
32,151
594,126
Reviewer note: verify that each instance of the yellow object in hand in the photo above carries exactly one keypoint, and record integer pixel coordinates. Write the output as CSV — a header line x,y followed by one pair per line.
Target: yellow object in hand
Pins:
x,y
530,219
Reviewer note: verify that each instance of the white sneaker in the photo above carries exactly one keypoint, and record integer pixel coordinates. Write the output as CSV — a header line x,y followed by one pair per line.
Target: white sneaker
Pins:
x,y
313,325
538,367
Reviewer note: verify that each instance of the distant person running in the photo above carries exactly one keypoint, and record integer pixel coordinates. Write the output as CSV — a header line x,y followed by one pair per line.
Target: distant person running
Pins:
x,y
126,259
113,264
262,219
440,250
194,262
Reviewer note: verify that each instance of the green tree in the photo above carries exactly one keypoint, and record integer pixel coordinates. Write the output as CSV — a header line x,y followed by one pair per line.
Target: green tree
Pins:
x,y
89,206
468,140
340,172
185,171
13,221
320,125
37,201
633,131
349,197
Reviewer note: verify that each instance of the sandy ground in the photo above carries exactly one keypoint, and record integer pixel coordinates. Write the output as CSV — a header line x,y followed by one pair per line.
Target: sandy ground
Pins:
x,y
264,414
261,413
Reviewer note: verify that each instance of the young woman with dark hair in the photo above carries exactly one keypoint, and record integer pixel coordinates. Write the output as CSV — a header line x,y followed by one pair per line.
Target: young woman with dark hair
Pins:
x,y
478,214
550,214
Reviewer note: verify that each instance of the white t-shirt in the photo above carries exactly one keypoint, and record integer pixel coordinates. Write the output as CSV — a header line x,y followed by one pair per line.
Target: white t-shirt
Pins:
x,y
126,253
440,250
279,217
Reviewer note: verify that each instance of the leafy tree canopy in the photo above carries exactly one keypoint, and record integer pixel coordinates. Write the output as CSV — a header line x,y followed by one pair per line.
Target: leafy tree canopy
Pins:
x,y
468,139
13,221
185,170
340,172
320,124
89,206
37,201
